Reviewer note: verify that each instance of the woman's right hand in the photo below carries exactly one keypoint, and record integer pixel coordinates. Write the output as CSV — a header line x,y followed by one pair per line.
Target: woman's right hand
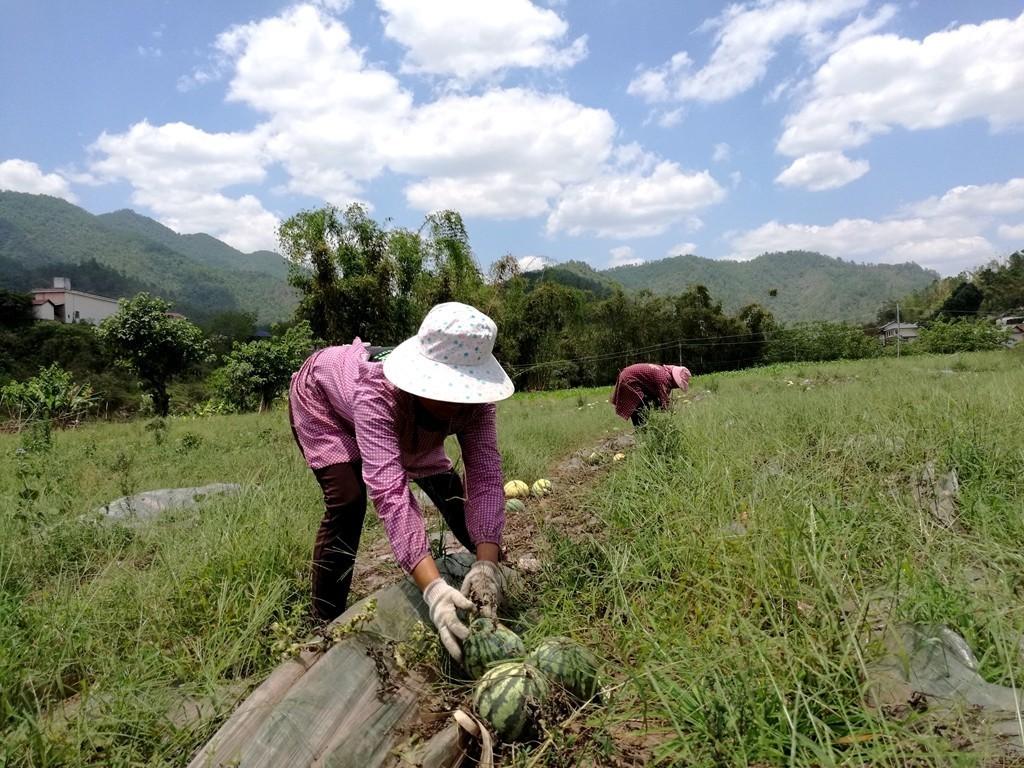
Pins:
x,y
443,600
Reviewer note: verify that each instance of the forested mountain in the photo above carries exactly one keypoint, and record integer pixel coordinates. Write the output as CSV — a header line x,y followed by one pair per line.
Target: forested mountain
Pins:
x,y
795,285
200,247
121,253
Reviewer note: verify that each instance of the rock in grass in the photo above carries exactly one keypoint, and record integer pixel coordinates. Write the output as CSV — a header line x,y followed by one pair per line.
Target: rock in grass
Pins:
x,y
509,697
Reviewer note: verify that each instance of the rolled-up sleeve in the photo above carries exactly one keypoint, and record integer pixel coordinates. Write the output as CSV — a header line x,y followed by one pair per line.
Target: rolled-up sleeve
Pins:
x,y
485,495
386,478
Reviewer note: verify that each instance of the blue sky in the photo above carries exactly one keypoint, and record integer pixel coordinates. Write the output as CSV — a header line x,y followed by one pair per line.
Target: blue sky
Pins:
x,y
604,130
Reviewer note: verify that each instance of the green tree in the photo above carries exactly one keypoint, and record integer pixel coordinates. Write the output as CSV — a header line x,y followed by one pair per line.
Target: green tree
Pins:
x,y
15,309
256,372
356,277
965,300
225,328
157,346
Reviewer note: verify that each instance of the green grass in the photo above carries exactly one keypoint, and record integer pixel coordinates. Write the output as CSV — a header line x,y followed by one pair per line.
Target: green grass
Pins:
x,y
732,642
135,618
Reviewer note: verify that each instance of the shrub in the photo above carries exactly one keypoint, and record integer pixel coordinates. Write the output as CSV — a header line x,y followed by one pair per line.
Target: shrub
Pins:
x,y
52,397
945,337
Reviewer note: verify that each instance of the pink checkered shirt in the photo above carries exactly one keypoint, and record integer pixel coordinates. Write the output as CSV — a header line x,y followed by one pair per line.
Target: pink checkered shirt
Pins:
x,y
638,381
343,410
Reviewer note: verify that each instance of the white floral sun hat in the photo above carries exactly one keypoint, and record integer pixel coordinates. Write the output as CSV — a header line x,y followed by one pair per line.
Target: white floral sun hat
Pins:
x,y
450,358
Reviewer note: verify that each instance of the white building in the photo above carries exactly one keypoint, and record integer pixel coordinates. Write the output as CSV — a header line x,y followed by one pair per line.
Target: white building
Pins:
x,y
64,305
891,331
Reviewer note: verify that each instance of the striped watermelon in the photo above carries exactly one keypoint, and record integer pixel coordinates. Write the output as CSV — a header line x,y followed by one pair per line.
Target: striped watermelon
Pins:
x,y
489,642
569,665
515,506
509,697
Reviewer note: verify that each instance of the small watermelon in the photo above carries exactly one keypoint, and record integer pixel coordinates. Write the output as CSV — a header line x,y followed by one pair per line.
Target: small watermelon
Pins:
x,y
489,642
515,505
516,489
569,665
541,487
508,698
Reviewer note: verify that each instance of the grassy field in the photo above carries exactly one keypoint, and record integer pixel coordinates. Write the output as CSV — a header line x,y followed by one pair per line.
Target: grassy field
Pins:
x,y
108,633
746,533
737,541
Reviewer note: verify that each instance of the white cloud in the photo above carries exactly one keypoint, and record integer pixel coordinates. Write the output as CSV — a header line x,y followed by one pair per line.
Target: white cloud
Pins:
x,y
1011,232
333,6
504,153
671,118
241,222
470,40
947,245
823,44
533,263
623,256
332,117
24,176
149,51
883,82
633,204
949,232
822,170
735,178
682,249
497,196
746,39
179,156
722,152
974,199
178,172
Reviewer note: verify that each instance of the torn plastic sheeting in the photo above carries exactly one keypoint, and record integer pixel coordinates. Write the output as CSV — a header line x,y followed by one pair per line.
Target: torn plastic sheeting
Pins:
x,y
150,504
938,662
332,709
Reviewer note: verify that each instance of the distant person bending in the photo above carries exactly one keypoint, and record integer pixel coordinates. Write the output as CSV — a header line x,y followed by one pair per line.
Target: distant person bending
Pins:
x,y
644,386
377,423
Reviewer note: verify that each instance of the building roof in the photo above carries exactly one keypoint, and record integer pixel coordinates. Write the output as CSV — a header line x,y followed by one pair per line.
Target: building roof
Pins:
x,y
901,326
38,300
37,291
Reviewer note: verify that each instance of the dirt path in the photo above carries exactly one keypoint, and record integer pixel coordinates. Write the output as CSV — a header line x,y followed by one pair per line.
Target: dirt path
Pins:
x,y
375,567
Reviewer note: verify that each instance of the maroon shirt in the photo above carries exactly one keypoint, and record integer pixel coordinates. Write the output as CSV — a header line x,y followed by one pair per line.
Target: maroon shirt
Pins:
x,y
636,382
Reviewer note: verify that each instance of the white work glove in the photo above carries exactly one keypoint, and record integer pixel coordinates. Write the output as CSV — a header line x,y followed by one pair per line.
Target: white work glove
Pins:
x,y
443,600
482,585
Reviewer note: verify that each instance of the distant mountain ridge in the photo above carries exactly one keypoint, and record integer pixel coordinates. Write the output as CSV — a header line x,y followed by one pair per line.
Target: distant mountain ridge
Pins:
x,y
43,237
807,286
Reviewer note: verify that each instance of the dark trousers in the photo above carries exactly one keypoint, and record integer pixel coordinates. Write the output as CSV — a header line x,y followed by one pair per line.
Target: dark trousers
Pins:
x,y
639,417
337,540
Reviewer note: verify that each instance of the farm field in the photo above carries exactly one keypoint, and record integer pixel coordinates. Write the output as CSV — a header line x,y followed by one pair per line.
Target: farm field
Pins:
x,y
737,549
112,637
756,543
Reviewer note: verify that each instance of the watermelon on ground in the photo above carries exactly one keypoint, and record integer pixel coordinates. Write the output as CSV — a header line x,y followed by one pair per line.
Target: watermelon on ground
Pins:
x,y
516,489
489,642
569,665
509,697
515,505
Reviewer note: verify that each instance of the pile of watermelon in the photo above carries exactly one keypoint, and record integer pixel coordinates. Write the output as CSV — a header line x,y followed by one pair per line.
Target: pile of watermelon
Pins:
x,y
517,490
513,690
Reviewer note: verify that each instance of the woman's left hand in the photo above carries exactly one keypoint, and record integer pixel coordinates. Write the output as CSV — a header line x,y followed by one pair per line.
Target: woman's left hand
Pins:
x,y
482,585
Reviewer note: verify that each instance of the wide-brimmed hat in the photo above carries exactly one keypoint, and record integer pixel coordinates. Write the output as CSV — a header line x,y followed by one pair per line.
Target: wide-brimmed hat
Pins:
x,y
680,375
450,358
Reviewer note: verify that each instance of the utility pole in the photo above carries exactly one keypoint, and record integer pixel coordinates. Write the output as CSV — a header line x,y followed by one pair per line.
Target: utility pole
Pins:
x,y
899,335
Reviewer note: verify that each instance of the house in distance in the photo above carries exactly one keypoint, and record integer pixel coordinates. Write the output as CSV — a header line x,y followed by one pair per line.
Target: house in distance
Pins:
x,y
64,305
